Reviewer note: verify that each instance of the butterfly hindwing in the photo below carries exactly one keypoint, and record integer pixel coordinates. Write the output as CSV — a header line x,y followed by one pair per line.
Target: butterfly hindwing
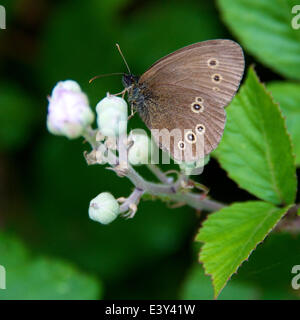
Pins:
x,y
194,113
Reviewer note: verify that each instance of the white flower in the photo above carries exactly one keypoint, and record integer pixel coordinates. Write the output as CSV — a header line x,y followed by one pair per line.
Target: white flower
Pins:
x,y
104,208
112,116
139,152
69,112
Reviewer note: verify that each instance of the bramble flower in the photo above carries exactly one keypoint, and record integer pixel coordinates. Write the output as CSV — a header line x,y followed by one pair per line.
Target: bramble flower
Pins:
x,y
69,113
139,152
112,116
104,208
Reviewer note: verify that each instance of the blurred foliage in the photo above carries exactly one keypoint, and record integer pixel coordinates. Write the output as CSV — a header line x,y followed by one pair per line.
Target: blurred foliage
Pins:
x,y
270,266
17,109
198,286
46,185
264,28
288,97
41,278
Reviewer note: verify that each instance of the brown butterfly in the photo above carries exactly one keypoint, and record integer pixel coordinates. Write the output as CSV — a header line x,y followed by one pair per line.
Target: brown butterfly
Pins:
x,y
186,92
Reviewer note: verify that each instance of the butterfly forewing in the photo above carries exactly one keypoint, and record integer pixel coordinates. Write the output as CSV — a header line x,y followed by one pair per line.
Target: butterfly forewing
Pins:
x,y
188,90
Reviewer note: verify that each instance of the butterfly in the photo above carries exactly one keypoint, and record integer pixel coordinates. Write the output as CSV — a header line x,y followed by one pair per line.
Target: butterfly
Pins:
x,y
181,97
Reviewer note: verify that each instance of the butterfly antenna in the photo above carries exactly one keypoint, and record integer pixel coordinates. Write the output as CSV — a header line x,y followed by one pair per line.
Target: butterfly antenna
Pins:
x,y
105,75
121,53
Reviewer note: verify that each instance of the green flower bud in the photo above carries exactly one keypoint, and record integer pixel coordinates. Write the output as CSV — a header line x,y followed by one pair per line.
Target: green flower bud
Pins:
x,y
195,167
104,208
140,151
112,115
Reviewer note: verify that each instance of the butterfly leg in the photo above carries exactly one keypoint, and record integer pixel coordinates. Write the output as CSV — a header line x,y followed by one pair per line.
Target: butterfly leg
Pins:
x,y
121,93
201,187
133,112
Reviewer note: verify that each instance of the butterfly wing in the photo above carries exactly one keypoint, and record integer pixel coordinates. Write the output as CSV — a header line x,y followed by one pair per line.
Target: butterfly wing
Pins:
x,y
188,90
173,112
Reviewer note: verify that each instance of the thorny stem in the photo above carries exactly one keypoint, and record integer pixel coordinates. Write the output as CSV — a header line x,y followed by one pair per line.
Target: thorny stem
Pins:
x,y
171,190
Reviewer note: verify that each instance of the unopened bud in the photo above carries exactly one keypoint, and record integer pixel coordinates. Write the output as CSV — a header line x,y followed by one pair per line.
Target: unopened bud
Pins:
x,y
195,167
140,150
112,116
69,113
104,208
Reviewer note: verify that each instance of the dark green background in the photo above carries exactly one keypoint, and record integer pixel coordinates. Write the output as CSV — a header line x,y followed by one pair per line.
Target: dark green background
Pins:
x,y
45,184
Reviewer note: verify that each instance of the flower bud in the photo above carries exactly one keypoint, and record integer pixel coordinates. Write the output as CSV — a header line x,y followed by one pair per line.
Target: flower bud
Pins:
x,y
112,116
104,208
68,111
195,167
140,150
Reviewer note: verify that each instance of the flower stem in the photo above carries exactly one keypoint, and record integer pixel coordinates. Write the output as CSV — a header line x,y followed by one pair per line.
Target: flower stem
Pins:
x,y
159,174
133,198
171,190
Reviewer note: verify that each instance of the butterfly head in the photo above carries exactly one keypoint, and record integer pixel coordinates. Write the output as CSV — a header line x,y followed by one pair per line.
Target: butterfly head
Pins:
x,y
129,80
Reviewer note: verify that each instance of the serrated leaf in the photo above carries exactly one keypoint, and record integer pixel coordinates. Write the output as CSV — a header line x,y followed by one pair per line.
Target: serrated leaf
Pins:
x,y
29,278
231,234
264,29
287,94
256,149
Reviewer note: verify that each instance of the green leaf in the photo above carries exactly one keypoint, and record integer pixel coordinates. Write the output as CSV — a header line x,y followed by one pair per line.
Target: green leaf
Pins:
x,y
256,149
231,234
264,29
41,278
198,287
287,94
